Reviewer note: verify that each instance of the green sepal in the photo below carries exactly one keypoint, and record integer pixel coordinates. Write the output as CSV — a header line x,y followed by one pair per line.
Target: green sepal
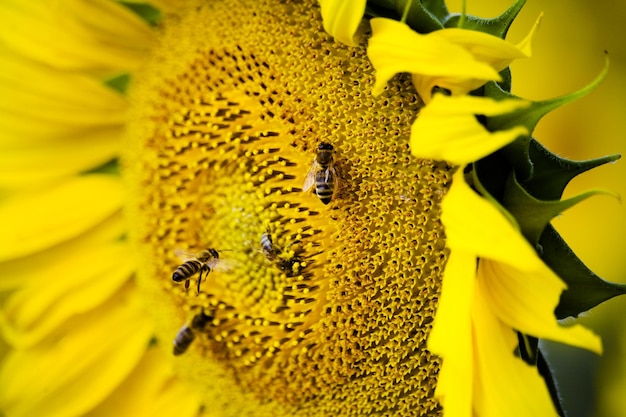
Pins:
x,y
109,167
530,116
491,190
496,26
532,214
585,289
423,16
548,376
505,83
118,83
552,173
150,14
516,152
527,348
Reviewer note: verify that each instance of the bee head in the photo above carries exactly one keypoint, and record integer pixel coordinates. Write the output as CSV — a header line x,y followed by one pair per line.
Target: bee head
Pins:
x,y
325,146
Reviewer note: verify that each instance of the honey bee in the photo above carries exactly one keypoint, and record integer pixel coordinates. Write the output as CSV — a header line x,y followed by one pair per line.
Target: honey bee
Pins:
x,y
187,333
201,263
272,253
322,173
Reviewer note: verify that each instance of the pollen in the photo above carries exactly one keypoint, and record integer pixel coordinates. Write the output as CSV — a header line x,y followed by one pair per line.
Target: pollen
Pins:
x,y
315,309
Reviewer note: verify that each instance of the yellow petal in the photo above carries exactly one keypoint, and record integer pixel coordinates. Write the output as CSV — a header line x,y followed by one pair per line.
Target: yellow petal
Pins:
x,y
36,268
451,335
525,44
476,226
395,48
42,104
341,18
504,384
151,389
525,300
94,34
447,129
79,284
26,166
77,370
495,52
43,218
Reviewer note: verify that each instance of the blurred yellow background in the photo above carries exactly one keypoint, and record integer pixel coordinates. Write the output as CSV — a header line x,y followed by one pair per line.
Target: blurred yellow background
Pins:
x,y
568,52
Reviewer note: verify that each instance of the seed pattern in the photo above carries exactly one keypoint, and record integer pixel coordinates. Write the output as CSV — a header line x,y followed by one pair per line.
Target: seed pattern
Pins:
x,y
228,119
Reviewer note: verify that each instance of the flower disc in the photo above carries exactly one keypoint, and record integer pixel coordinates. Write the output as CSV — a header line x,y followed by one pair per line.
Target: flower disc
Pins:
x,y
313,309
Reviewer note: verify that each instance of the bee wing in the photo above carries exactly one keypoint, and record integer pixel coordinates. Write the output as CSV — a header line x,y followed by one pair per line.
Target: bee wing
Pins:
x,y
330,174
310,177
184,255
221,265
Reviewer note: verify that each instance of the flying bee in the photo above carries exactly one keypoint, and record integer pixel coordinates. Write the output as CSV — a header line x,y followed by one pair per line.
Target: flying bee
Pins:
x,y
187,333
322,173
201,263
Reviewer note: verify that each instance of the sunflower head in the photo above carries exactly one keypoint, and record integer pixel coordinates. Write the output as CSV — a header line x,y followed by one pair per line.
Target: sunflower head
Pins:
x,y
309,305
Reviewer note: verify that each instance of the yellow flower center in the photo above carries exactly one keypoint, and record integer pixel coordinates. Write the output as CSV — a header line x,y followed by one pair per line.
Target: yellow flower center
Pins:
x,y
311,308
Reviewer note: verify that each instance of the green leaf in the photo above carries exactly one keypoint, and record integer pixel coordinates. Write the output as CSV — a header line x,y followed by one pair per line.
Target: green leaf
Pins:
x,y
532,214
119,83
496,26
585,289
552,173
150,14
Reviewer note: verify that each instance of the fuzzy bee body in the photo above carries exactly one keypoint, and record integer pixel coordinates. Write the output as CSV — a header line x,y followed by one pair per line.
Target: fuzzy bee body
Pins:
x,y
186,335
322,173
273,254
183,340
270,251
200,264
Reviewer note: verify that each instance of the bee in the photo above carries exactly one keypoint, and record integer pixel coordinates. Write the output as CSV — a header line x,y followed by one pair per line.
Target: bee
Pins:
x,y
272,253
187,333
201,263
322,173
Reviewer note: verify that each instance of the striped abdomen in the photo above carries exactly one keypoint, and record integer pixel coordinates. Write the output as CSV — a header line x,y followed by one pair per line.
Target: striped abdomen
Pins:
x,y
183,340
187,270
325,184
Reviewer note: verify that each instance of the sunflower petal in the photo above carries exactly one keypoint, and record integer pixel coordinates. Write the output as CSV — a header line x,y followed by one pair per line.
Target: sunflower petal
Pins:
x,y
35,269
525,300
38,220
447,129
451,335
150,389
395,48
502,381
489,49
80,284
341,18
25,166
476,226
75,372
94,34
41,104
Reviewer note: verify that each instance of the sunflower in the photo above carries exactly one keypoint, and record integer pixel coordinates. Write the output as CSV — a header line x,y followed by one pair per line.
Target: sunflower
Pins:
x,y
272,242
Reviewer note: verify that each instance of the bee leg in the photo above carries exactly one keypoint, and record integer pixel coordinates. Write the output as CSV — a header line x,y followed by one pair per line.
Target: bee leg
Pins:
x,y
186,285
199,281
206,271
